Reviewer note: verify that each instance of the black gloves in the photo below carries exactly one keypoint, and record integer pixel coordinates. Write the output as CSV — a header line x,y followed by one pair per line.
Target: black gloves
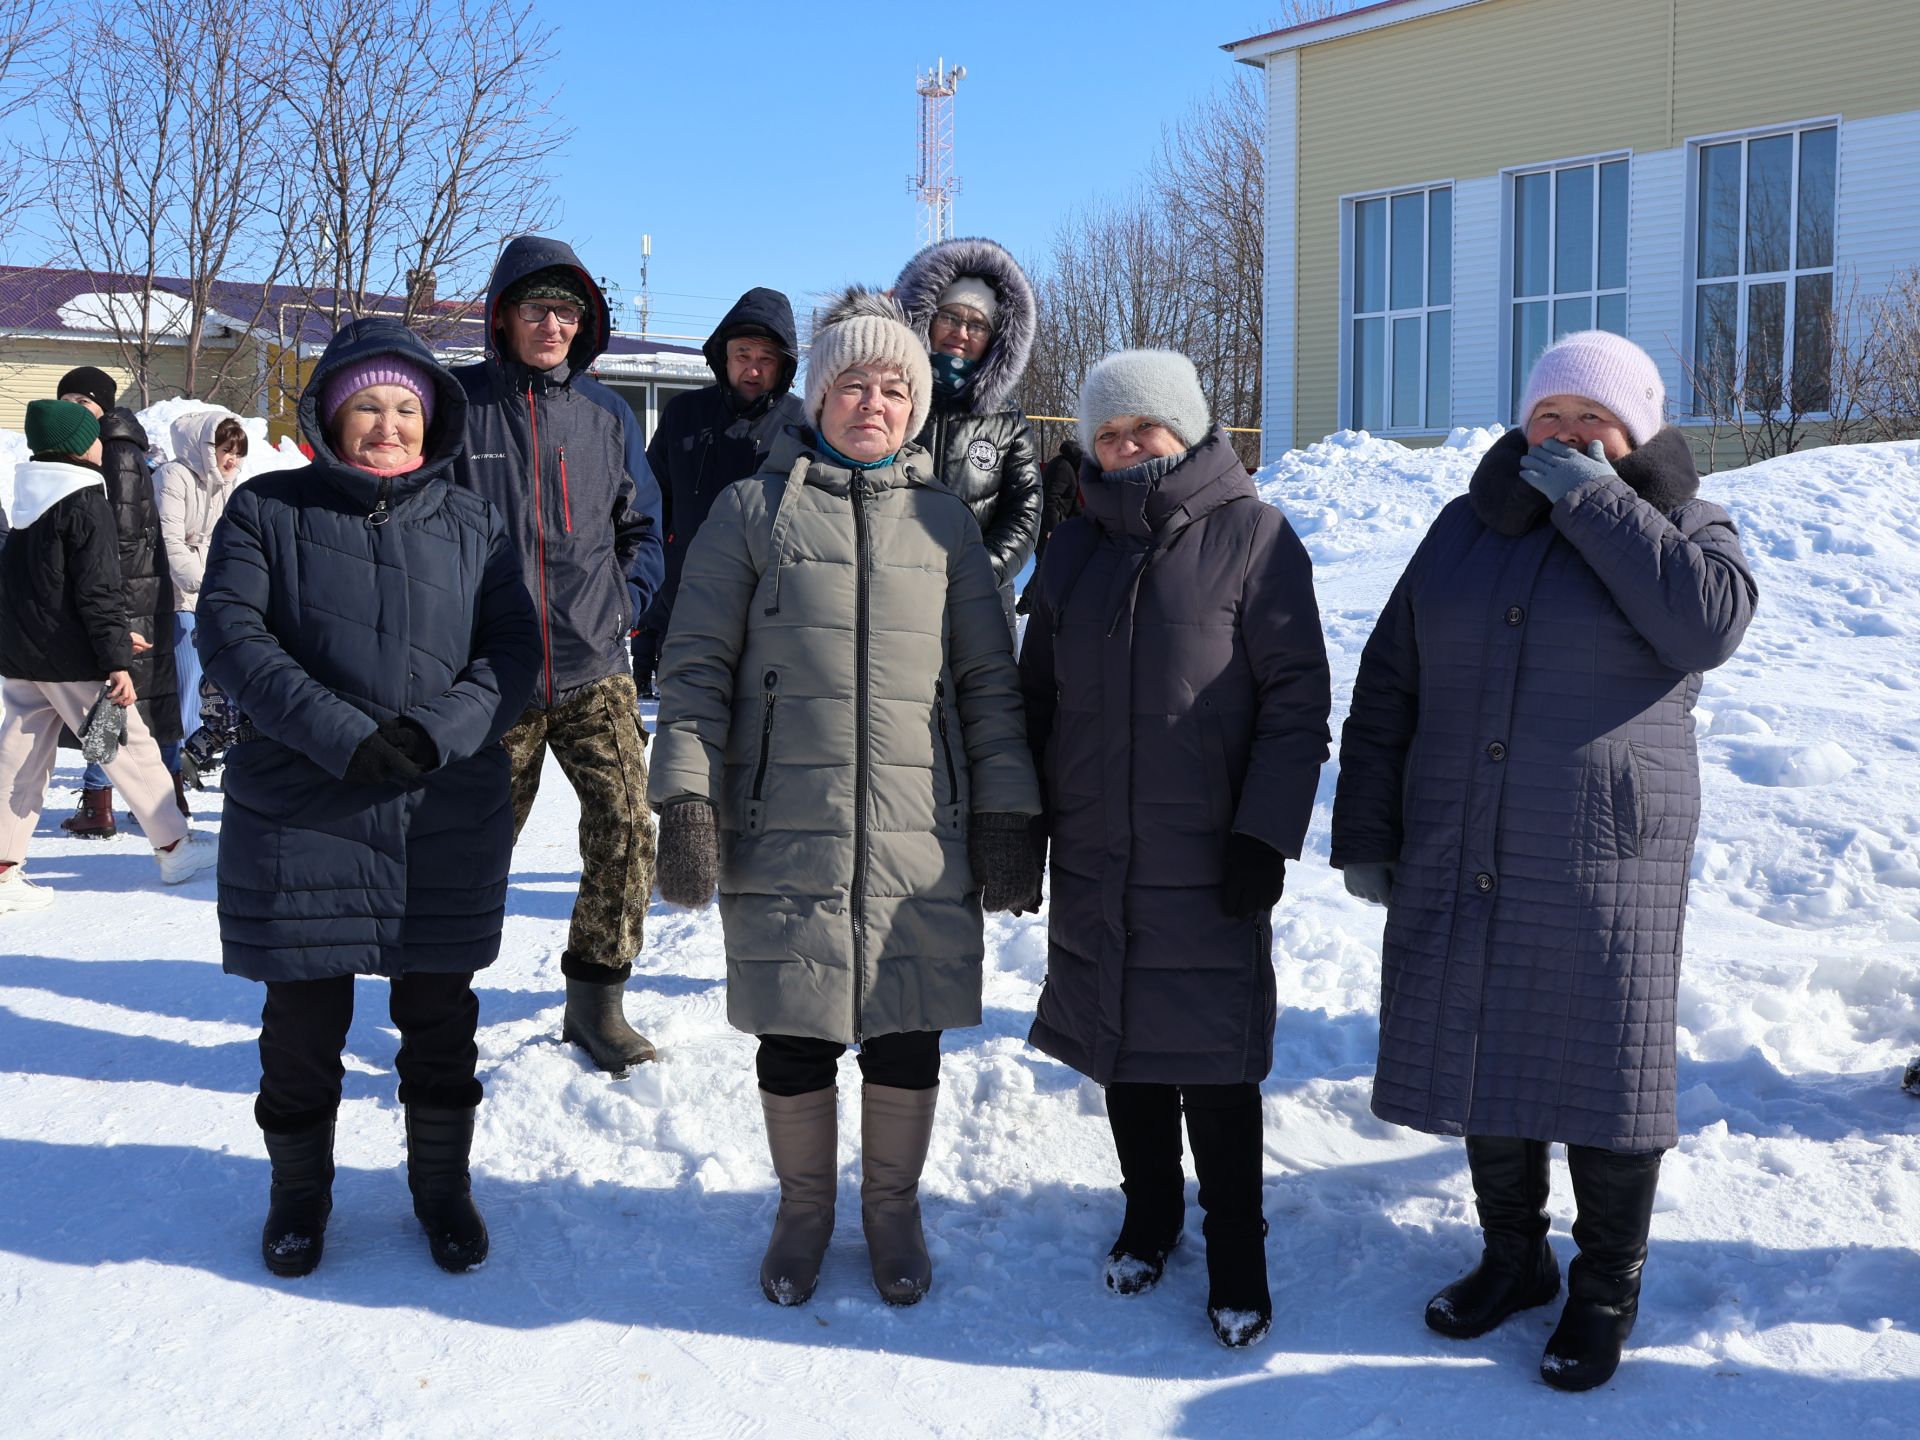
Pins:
x,y
686,862
1370,880
1000,850
397,753
1256,874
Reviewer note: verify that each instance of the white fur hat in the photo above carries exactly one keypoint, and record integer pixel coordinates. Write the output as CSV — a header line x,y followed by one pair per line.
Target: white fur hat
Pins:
x,y
1159,384
865,327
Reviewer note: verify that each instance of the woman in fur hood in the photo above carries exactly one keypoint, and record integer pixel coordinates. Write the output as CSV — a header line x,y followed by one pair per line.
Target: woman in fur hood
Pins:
x,y
972,306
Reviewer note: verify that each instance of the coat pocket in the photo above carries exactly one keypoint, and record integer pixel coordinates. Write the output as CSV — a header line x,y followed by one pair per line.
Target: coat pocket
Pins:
x,y
1629,798
947,808
757,794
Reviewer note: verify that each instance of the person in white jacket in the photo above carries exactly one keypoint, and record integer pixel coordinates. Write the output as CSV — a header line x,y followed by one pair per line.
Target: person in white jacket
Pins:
x,y
209,451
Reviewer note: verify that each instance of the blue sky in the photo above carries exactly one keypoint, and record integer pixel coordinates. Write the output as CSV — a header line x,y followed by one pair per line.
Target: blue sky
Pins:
x,y
770,144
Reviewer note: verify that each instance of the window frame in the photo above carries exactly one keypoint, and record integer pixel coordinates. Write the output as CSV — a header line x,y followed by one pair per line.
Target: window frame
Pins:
x,y
1688,409
1349,207
1510,176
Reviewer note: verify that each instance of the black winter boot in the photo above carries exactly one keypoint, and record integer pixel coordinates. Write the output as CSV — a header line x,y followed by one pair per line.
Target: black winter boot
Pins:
x,y
596,1023
1910,1082
1517,1270
438,1144
1223,1122
1614,1195
1146,1137
93,820
301,1198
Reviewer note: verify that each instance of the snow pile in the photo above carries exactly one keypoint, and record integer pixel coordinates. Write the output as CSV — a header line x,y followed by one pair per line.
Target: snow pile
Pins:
x,y
628,1215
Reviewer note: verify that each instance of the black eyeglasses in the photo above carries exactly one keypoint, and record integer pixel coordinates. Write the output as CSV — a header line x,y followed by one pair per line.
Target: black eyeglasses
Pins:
x,y
974,329
535,312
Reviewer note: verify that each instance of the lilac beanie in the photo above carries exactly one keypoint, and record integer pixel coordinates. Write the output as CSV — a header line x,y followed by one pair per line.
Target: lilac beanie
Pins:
x,y
1599,365
376,370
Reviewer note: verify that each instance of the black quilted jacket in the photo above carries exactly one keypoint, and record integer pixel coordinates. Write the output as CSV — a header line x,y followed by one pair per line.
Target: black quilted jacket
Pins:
x,y
1521,746
144,577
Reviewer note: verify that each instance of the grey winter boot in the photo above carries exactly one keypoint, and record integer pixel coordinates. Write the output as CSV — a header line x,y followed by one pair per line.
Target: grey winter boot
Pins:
x,y
895,1128
803,1136
597,1024
301,1198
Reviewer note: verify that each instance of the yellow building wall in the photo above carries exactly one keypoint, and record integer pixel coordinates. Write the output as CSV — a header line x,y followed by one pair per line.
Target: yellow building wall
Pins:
x,y
1518,82
30,369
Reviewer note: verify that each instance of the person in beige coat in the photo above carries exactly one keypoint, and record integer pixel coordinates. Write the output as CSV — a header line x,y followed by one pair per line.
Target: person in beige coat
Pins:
x,y
842,749
209,449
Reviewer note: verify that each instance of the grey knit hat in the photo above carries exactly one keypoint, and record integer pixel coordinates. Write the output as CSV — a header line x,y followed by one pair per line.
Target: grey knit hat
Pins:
x,y
1159,384
865,327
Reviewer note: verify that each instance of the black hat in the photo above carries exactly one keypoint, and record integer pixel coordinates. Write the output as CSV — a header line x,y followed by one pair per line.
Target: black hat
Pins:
x,y
93,383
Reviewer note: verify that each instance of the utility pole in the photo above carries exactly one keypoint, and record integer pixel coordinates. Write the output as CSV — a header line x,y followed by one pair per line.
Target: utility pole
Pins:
x,y
645,303
936,184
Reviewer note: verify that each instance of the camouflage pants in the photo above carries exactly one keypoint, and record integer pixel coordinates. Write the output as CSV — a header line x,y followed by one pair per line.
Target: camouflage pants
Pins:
x,y
597,739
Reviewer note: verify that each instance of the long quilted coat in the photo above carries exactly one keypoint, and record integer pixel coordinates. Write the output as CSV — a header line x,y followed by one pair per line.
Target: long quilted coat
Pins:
x,y
837,682
1521,747
1176,688
144,575
321,618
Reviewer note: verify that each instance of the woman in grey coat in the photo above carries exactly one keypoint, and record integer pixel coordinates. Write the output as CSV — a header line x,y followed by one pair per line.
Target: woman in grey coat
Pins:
x,y
841,748
1177,695
1519,786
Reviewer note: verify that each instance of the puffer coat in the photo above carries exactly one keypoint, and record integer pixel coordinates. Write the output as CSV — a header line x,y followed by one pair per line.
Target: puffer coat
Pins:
x,y
837,683
1176,688
1521,749
144,575
982,446
334,600
192,496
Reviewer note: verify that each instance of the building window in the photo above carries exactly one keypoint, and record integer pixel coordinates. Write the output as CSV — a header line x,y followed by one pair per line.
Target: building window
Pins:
x,y
1400,314
1569,258
1763,272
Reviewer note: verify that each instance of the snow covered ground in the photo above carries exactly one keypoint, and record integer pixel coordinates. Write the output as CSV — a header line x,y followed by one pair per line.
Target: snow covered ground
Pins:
x,y
1782,1296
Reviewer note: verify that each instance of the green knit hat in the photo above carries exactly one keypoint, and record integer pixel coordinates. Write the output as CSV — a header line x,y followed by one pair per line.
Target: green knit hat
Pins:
x,y
60,427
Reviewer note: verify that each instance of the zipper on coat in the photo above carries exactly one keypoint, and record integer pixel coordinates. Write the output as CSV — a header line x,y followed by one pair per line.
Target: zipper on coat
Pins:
x,y
766,732
540,541
380,514
946,741
566,500
857,898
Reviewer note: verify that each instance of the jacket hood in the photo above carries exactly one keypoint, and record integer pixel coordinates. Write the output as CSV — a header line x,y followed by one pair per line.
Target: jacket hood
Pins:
x,y
39,485
765,311
1209,476
121,423
361,340
1005,361
193,445
521,258
1662,472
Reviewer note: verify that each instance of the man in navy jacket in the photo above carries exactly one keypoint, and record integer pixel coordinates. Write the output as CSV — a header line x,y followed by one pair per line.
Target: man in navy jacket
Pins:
x,y
564,461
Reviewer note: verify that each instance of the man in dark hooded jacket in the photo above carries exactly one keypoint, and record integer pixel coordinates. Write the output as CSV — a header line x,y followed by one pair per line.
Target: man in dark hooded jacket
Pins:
x,y
563,460
709,438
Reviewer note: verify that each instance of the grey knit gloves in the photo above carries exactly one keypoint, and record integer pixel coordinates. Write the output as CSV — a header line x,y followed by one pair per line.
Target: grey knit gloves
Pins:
x,y
687,856
1557,470
1004,865
1370,880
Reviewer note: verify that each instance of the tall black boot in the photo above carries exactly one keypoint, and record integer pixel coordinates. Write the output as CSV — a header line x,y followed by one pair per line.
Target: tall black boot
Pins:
x,y
1223,1122
1613,1193
1146,1137
438,1144
301,1198
1517,1270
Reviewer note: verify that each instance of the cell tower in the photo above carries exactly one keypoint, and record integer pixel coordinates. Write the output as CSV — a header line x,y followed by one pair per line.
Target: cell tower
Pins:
x,y
645,303
936,184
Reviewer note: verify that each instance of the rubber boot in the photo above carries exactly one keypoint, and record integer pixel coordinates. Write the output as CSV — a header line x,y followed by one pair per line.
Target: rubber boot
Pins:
x,y
438,1145
1146,1137
300,1200
596,1023
1613,1193
895,1128
93,819
1517,1270
1224,1124
803,1137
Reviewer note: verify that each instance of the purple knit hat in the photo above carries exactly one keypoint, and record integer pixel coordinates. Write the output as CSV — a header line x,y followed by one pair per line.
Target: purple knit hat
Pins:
x,y
1599,365
376,370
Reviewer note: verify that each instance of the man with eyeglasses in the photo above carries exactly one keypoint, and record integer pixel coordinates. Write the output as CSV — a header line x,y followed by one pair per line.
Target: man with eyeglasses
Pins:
x,y
564,461
711,437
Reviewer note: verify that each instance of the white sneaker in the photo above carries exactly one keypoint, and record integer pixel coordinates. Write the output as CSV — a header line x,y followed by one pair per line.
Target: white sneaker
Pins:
x,y
186,860
17,892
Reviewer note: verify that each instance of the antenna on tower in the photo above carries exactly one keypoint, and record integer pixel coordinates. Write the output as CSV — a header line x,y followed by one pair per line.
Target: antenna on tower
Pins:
x,y
936,184
645,303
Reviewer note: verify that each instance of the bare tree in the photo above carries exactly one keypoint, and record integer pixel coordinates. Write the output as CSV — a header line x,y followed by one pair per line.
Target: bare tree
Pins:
x,y
24,28
1304,12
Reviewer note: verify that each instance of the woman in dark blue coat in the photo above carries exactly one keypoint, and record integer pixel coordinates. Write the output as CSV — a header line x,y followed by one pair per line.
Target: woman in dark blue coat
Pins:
x,y
370,621
1519,786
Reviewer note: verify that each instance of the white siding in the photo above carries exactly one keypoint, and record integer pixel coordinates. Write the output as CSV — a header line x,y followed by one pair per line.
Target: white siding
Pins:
x,y
1477,302
1277,393
1877,230
1657,250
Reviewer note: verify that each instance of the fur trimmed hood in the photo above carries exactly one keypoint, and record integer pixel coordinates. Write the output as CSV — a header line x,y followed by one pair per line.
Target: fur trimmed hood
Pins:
x,y
1661,472
1005,362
